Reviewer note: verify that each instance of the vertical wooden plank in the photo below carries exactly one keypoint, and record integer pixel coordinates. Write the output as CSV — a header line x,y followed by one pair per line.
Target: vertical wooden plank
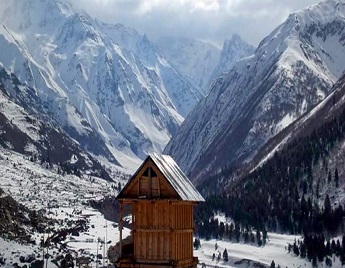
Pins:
x,y
190,242
155,215
139,187
133,225
177,246
120,226
191,216
140,215
144,245
181,246
150,244
172,215
159,215
144,216
165,246
161,246
182,214
167,216
136,246
171,234
155,247
172,245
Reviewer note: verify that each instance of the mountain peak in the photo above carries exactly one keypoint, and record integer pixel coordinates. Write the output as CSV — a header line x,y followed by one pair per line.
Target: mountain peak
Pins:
x,y
106,85
194,58
33,14
236,45
292,70
233,50
235,38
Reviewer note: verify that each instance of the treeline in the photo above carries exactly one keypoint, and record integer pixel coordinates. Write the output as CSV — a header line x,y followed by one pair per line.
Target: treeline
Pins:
x,y
63,168
230,232
283,194
316,249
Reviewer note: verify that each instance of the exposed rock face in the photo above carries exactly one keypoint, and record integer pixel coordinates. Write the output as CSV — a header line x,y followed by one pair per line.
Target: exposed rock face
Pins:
x,y
106,85
16,221
291,71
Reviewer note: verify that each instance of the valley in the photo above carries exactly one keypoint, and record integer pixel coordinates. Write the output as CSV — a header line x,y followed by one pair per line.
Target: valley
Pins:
x,y
259,130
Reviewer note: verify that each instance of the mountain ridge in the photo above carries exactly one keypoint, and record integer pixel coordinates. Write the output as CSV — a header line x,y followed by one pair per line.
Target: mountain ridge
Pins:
x,y
260,96
96,78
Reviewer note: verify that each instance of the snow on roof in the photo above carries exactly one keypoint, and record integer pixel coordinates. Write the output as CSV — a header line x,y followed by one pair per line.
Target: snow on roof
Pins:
x,y
178,180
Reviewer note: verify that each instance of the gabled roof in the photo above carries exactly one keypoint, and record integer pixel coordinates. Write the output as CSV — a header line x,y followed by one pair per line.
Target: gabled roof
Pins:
x,y
173,175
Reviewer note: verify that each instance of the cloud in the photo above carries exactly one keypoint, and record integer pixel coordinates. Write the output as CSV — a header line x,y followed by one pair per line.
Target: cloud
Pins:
x,y
209,20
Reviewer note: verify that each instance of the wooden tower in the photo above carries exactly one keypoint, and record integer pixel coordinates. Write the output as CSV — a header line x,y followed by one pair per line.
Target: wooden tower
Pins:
x,y
162,199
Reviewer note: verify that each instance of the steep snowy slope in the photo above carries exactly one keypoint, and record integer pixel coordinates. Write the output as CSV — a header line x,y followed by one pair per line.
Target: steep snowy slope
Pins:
x,y
233,50
27,128
193,58
330,108
292,70
105,84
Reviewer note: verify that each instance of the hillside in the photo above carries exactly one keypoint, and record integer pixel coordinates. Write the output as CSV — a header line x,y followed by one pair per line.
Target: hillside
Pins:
x,y
37,203
260,95
303,178
106,85
27,128
296,187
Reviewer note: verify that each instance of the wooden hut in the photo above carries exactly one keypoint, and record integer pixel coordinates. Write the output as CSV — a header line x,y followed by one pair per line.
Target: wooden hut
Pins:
x,y
162,200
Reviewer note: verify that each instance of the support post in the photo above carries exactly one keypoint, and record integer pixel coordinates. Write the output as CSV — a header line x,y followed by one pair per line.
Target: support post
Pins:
x,y
120,226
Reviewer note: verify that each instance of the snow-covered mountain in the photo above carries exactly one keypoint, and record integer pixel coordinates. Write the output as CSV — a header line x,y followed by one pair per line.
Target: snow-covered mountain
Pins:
x,y
328,110
233,50
292,70
195,59
27,128
106,85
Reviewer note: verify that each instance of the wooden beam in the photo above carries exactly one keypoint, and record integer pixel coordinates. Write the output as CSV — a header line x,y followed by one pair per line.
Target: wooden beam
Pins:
x,y
139,186
120,226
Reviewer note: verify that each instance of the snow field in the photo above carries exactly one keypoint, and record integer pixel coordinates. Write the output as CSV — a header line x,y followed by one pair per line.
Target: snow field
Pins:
x,y
64,199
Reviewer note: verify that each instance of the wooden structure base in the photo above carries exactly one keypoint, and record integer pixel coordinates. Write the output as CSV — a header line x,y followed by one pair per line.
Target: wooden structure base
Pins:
x,y
130,263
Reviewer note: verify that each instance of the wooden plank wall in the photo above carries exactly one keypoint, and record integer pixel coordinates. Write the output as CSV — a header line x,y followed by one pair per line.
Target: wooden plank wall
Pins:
x,y
163,230
183,235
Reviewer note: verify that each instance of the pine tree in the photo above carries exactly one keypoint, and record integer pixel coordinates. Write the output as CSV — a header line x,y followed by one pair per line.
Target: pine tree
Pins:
x,y
258,238
303,250
327,206
264,236
197,243
295,249
225,255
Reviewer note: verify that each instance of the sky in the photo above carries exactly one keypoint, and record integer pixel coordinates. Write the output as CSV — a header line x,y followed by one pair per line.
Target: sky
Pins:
x,y
208,20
